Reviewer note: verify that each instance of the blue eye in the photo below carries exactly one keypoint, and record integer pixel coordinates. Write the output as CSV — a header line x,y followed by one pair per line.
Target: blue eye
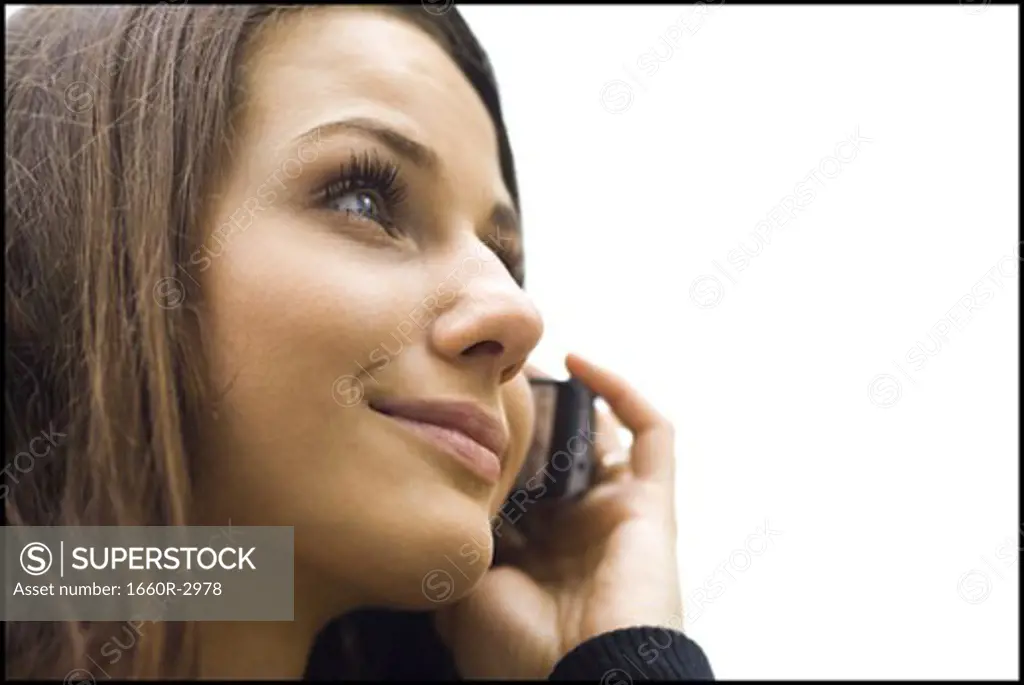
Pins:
x,y
363,203
367,188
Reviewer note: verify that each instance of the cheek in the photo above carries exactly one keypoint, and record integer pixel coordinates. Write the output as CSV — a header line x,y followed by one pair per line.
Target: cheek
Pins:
x,y
299,305
288,311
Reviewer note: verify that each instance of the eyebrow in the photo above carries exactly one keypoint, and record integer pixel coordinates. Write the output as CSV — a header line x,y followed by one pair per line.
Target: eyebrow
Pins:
x,y
503,216
417,153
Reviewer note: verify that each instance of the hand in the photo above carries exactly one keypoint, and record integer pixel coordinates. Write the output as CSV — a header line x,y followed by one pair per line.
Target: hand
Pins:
x,y
606,562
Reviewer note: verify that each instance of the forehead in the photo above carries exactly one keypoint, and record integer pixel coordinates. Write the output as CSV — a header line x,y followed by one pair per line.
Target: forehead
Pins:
x,y
335,63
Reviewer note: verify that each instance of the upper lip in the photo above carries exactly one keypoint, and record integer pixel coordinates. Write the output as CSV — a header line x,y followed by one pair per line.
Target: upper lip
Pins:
x,y
465,417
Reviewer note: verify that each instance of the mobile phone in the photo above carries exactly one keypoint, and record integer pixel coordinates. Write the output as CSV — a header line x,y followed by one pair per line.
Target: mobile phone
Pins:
x,y
560,462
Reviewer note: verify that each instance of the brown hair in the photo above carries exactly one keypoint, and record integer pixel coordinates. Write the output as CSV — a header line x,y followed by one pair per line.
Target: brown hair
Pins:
x,y
117,120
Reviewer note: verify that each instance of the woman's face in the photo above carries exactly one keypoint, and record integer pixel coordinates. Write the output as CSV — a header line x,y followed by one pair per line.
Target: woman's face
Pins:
x,y
386,292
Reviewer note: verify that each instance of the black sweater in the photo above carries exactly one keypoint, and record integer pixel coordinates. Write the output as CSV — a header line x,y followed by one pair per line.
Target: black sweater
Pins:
x,y
623,656
404,646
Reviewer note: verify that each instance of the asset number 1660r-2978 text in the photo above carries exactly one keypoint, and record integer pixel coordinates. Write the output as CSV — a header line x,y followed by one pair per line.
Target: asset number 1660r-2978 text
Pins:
x,y
174,589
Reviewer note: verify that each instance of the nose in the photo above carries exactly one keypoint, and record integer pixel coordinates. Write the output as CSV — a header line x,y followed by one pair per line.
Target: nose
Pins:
x,y
491,324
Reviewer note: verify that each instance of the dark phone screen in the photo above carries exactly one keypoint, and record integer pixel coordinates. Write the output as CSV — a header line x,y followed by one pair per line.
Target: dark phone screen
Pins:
x,y
545,397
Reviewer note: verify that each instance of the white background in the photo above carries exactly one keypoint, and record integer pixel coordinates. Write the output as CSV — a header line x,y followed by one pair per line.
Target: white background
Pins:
x,y
890,483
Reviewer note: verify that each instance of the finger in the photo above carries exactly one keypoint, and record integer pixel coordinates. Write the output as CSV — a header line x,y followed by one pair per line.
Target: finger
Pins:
x,y
653,453
575,528
607,439
611,454
629,406
614,467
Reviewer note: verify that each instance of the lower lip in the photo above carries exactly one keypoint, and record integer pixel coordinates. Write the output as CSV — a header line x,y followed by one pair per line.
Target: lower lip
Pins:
x,y
480,460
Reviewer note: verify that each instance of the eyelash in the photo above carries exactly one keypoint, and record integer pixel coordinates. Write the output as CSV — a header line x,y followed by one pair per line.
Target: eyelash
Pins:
x,y
368,174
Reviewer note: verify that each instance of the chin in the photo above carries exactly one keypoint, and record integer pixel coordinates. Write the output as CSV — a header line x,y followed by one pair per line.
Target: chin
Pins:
x,y
414,544
449,555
